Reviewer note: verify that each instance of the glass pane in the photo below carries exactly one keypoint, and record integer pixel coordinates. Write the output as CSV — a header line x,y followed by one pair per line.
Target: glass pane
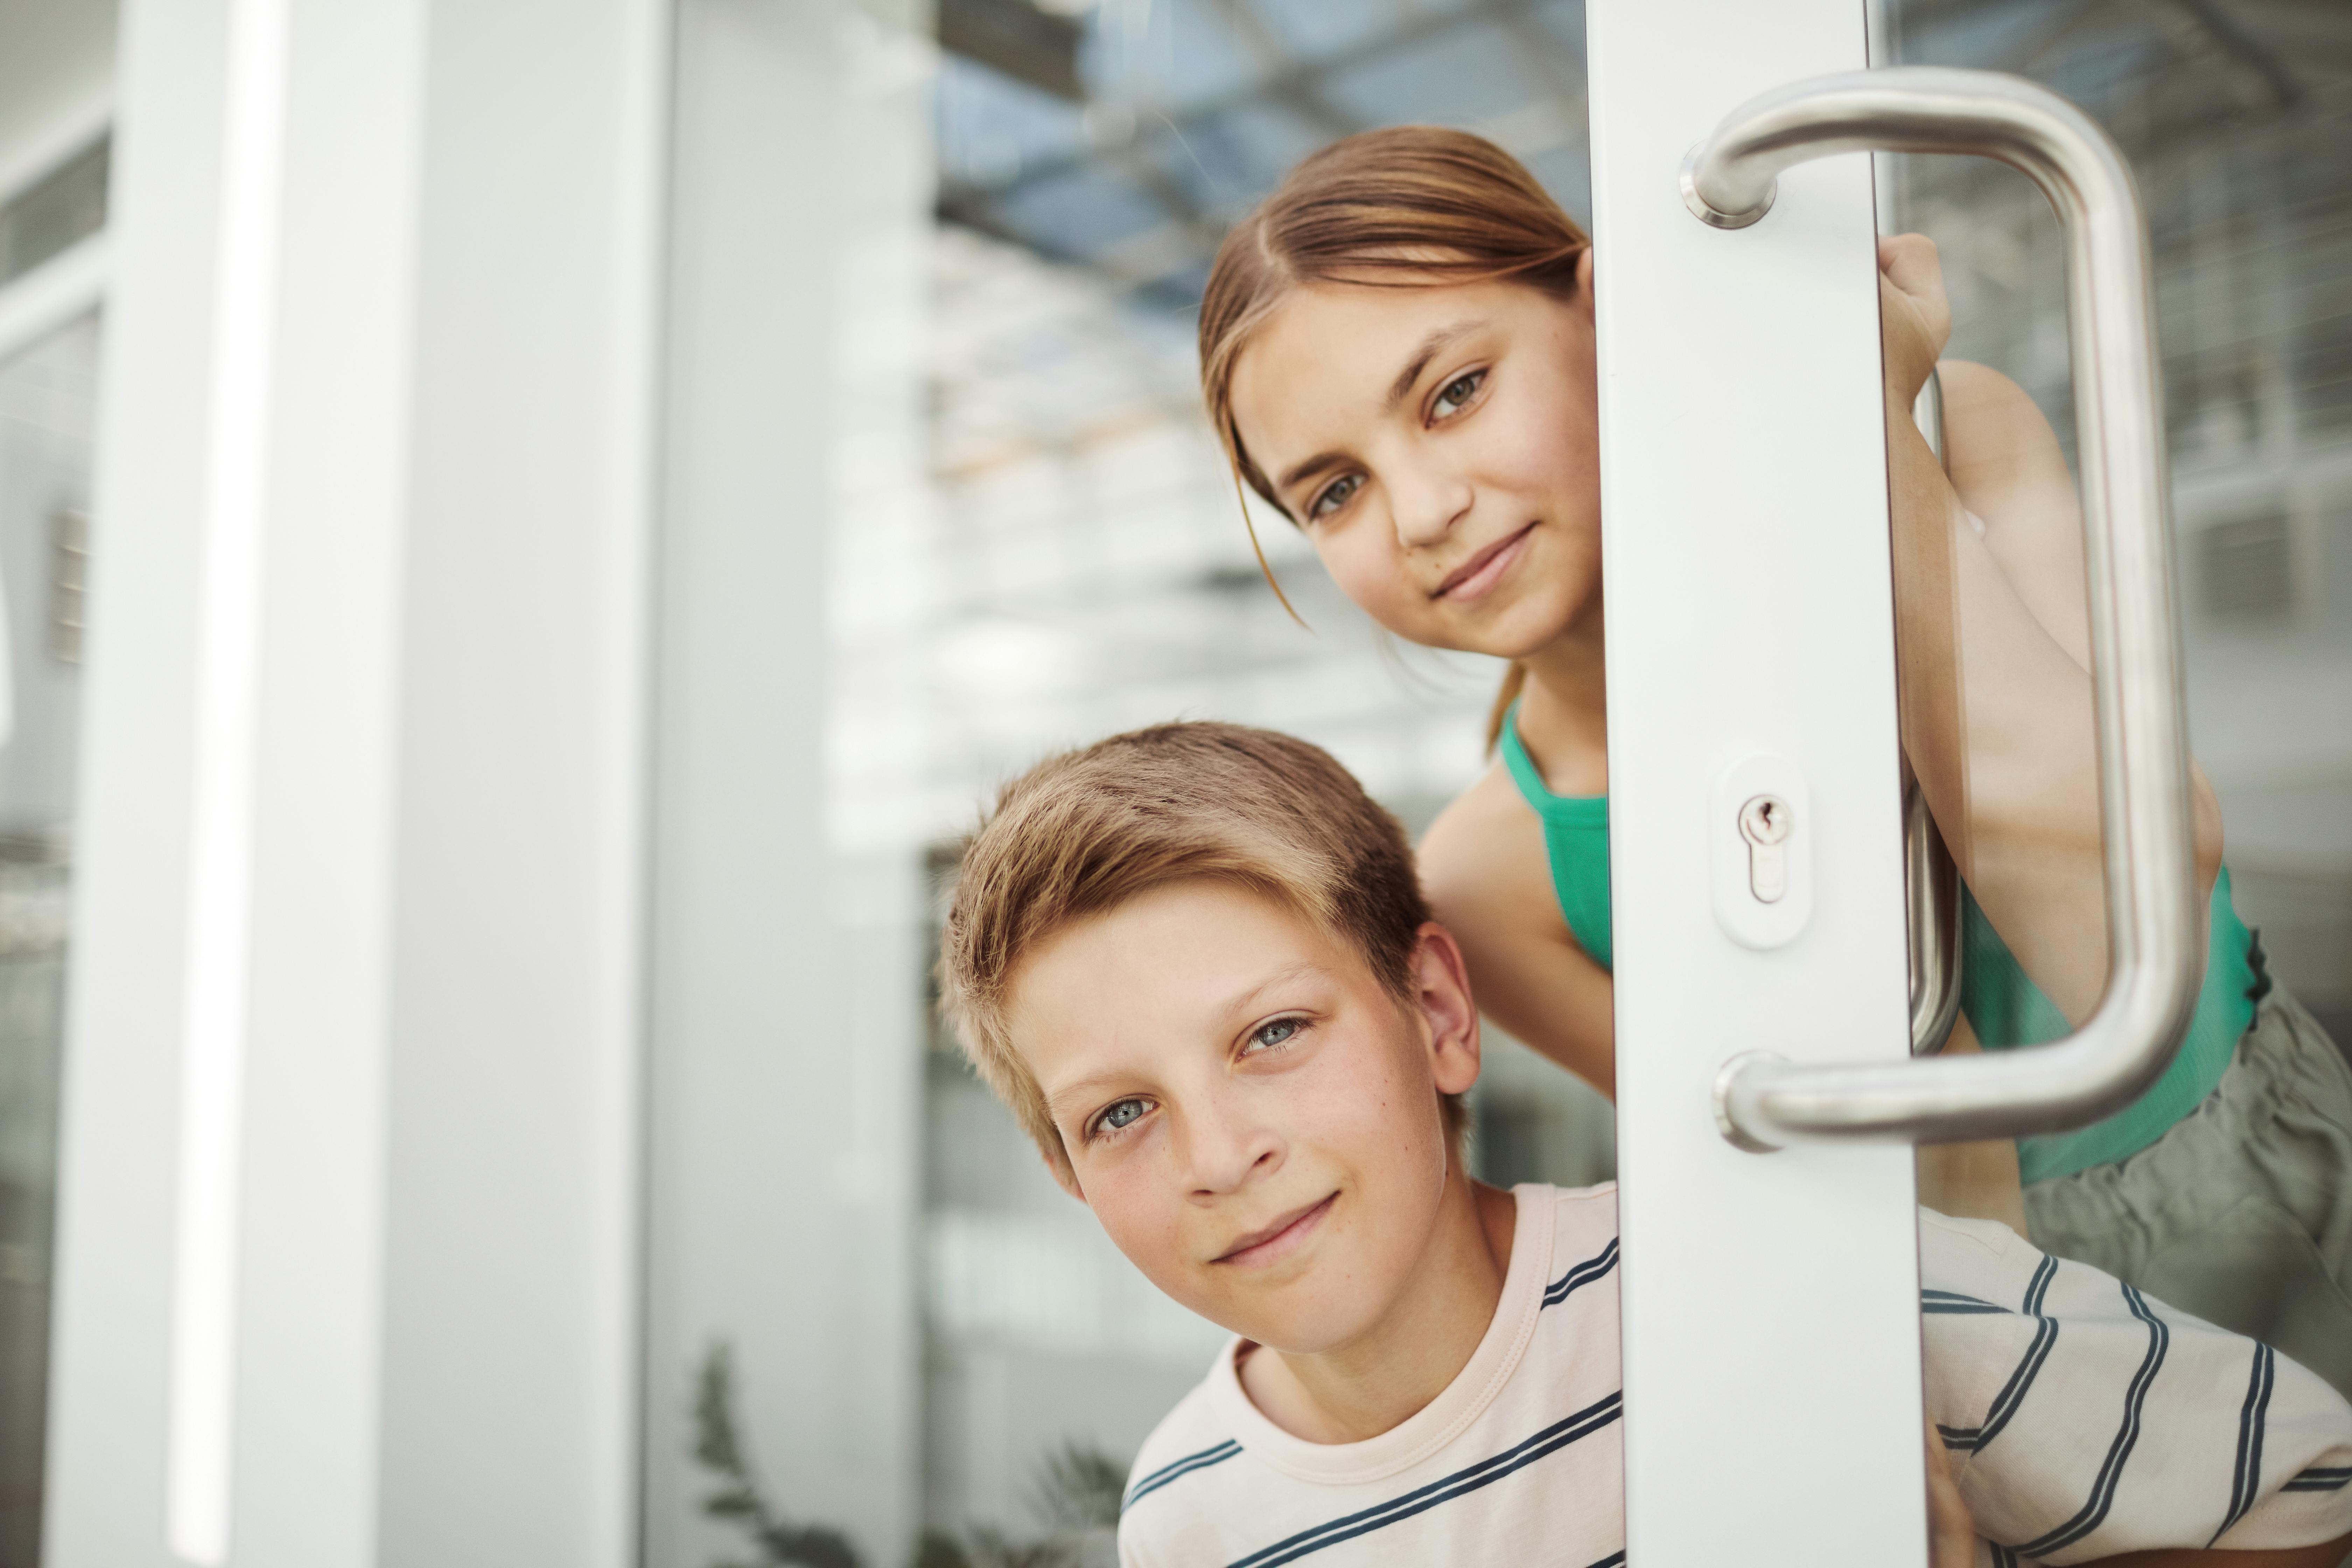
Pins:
x,y
2225,1191
1040,541
47,394
1055,553
1094,574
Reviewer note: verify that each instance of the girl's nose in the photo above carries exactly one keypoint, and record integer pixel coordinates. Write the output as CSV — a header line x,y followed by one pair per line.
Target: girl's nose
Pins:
x,y
1427,506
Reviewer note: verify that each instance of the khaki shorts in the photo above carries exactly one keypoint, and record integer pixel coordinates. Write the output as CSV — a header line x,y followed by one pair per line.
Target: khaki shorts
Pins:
x,y
2241,1213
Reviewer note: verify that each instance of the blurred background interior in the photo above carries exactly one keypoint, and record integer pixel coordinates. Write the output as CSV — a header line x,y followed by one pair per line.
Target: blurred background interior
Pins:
x,y
1015,532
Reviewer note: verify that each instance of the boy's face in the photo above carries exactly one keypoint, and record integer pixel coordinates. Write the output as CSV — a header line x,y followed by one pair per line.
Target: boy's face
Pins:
x,y
1250,1113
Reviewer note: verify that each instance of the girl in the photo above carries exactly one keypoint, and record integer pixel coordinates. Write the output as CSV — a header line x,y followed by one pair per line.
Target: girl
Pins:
x,y
1397,351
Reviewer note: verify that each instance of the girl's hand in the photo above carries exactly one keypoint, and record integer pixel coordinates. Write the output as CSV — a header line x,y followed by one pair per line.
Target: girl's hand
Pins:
x,y
1951,1532
1915,320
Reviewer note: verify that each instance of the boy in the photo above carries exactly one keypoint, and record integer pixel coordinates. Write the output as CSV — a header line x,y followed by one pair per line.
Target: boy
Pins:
x,y
1196,962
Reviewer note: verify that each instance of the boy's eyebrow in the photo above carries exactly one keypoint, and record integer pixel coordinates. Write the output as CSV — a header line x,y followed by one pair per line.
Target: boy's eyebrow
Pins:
x,y
1428,350
1237,1006
1241,1001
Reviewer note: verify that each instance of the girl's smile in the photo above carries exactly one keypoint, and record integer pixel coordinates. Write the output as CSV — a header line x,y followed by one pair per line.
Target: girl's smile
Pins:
x,y
1483,570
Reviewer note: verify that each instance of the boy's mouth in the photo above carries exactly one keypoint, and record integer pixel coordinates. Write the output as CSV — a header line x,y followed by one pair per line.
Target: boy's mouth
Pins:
x,y
1279,1238
1482,570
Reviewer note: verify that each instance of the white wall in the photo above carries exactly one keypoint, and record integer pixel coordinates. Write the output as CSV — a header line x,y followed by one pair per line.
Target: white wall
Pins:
x,y
784,1030
443,412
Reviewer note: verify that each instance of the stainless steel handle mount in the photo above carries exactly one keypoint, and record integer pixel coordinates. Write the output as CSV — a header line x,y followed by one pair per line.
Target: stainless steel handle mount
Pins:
x,y
2155,945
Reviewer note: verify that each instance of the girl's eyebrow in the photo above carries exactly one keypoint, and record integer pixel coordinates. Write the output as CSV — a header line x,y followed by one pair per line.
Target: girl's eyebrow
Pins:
x,y
1315,464
1428,350
1431,346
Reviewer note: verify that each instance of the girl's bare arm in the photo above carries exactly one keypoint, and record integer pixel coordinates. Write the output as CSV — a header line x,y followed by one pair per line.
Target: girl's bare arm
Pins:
x,y
1483,865
1992,651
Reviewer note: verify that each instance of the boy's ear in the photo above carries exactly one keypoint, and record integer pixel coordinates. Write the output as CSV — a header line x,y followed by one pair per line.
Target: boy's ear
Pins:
x,y
1064,1177
1442,990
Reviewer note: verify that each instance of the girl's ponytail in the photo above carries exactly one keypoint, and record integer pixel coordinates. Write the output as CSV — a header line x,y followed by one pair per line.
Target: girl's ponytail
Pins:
x,y
1514,680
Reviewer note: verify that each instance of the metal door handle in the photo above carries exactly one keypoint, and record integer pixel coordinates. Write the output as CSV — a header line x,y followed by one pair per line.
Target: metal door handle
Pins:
x,y
1931,883
2155,946
1931,896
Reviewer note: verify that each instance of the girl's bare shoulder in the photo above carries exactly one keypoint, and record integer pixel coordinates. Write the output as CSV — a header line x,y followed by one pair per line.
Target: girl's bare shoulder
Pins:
x,y
1484,858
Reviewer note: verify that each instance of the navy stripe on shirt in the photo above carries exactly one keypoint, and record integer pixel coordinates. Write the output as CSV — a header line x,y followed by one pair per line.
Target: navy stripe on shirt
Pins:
x,y
1551,1439
1177,1469
1953,1301
1583,1274
2038,1288
2319,1478
2093,1511
2246,1475
2012,1392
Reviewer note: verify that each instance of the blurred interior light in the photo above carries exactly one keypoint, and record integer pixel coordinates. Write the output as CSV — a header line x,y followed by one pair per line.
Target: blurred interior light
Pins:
x,y
219,913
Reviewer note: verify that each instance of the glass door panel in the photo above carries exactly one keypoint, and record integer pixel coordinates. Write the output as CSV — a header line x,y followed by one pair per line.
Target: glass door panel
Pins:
x,y
2239,135
47,392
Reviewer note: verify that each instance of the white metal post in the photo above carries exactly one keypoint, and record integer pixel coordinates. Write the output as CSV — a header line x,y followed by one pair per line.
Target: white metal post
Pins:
x,y
1770,1300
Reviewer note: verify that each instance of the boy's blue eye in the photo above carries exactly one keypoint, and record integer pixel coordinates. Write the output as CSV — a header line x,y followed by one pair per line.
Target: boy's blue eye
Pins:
x,y
1279,1032
1335,495
1458,391
1120,1115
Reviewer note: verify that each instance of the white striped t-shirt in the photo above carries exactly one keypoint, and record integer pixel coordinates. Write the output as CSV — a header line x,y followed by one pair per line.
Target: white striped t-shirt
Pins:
x,y
2083,1419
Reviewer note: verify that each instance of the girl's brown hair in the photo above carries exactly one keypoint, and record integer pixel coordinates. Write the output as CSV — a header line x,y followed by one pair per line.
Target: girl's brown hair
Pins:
x,y
1405,206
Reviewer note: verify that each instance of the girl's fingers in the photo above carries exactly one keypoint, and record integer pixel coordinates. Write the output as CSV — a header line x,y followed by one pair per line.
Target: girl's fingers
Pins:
x,y
1910,263
1911,267
1951,1532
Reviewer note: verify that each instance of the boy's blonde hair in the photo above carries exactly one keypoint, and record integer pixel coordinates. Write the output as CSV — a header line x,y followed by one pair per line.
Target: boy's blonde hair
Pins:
x,y
1081,834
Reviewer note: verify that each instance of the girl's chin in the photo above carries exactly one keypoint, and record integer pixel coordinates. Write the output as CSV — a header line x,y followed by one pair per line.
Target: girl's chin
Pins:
x,y
1519,631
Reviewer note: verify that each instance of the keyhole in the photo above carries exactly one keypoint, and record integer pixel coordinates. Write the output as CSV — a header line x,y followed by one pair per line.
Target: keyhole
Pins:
x,y
1764,823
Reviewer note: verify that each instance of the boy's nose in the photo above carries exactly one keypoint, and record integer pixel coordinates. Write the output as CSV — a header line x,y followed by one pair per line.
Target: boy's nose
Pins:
x,y
1224,1156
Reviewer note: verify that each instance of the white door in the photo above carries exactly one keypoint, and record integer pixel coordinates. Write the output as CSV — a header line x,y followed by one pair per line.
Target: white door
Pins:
x,y
1767,1094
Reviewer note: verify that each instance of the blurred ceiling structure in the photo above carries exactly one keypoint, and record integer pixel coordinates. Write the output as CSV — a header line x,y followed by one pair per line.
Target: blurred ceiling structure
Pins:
x,y
1126,135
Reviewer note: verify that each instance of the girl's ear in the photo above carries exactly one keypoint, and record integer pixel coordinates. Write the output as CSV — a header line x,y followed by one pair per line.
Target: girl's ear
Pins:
x,y
1584,283
1442,989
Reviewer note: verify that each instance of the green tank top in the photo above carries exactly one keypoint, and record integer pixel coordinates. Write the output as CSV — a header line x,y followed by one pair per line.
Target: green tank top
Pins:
x,y
2003,1002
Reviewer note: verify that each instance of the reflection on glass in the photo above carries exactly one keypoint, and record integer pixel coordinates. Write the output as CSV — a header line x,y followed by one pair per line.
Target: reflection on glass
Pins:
x,y
2227,1190
46,395
1092,573
1074,565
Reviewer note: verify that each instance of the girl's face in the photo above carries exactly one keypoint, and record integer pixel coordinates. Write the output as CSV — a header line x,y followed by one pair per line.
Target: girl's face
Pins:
x,y
1440,446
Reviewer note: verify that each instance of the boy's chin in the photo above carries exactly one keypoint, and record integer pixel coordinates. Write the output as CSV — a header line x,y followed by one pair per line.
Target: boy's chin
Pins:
x,y
1301,1323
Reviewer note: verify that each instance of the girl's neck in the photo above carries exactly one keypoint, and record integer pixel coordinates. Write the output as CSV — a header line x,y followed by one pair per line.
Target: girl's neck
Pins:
x,y
1564,709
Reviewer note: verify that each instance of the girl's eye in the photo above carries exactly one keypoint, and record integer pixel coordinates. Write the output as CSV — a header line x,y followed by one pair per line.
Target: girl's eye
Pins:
x,y
1457,394
1120,1115
1274,1034
1335,495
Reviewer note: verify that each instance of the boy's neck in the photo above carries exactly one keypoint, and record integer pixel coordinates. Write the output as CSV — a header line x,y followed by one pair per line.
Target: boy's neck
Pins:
x,y
1563,714
1381,1379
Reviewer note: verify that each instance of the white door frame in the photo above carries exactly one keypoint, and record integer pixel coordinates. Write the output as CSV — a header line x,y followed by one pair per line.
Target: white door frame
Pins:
x,y
347,1221
1772,1338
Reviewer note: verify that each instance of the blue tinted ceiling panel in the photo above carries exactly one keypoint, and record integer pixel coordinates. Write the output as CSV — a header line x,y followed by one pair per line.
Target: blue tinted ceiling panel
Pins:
x,y
1458,78
1170,52
1081,213
991,127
